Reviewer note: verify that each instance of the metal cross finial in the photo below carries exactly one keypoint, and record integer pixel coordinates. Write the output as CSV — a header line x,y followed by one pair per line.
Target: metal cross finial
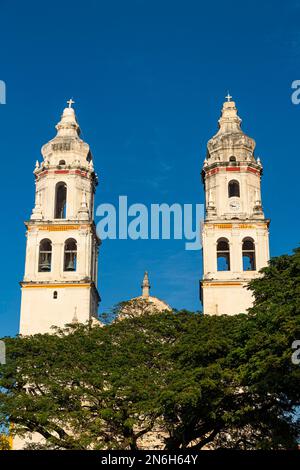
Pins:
x,y
228,97
70,102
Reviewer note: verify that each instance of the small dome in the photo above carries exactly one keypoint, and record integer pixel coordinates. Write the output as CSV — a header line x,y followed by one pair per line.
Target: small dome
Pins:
x,y
144,304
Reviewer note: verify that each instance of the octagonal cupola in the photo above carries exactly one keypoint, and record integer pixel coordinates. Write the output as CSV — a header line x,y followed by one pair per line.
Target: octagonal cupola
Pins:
x,y
67,148
230,143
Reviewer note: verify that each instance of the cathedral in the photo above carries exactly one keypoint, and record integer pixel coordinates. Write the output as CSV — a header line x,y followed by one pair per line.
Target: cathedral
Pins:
x,y
60,283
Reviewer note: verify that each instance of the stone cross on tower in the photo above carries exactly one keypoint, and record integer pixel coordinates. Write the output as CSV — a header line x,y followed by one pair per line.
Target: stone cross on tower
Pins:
x,y
70,102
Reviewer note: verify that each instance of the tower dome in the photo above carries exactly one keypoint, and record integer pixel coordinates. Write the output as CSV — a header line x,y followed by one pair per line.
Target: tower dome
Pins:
x,y
67,148
230,143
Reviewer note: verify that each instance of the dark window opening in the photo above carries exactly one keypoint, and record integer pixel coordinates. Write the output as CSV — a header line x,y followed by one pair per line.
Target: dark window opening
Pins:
x,y
60,201
248,251
233,189
55,294
62,162
45,256
232,159
223,255
70,258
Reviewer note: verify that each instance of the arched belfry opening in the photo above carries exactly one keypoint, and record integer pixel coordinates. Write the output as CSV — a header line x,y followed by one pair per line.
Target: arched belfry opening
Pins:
x,y
70,255
223,255
248,253
233,188
45,255
60,211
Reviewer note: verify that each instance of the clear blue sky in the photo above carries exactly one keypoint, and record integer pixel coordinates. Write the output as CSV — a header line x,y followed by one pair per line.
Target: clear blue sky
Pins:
x,y
149,78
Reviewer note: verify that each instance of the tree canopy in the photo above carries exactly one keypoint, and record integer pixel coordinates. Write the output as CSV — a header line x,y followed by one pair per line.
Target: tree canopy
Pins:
x,y
194,380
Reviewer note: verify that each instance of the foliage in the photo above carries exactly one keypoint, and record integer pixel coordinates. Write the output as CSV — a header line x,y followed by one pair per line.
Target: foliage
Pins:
x,y
217,381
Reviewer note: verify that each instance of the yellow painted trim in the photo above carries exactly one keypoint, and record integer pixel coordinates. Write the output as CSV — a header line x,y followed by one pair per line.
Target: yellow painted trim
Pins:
x,y
240,226
222,225
216,284
59,228
55,228
248,226
53,286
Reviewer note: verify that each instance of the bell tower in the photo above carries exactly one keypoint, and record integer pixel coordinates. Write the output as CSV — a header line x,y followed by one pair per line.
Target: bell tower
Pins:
x,y
235,233
60,278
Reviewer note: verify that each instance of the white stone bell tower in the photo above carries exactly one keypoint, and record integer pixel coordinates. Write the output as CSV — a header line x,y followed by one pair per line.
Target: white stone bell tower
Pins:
x,y
60,279
235,232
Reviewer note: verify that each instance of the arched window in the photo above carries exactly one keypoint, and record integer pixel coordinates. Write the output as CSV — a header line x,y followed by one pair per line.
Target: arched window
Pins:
x,y
223,255
232,159
55,294
233,188
248,252
45,256
62,162
70,257
60,201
